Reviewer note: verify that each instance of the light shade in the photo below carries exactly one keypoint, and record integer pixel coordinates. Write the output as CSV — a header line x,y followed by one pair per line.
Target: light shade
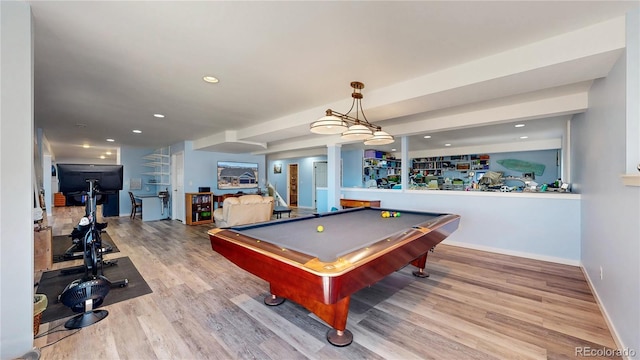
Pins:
x,y
328,125
380,138
357,132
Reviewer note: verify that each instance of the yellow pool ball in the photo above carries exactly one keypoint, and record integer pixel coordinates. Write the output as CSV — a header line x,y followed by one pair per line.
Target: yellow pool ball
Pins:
x,y
320,228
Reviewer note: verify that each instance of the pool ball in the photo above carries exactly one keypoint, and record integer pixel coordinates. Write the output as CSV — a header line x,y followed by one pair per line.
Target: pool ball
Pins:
x,y
320,228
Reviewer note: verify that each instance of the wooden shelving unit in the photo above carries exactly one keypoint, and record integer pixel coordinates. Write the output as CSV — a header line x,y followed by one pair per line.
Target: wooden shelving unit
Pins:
x,y
199,208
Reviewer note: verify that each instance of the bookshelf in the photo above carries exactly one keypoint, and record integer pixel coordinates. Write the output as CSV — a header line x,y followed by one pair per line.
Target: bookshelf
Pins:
x,y
435,166
378,164
198,208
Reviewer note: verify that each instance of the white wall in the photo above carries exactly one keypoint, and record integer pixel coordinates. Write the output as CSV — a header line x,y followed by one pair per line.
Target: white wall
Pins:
x,y
610,211
633,90
540,226
16,183
201,168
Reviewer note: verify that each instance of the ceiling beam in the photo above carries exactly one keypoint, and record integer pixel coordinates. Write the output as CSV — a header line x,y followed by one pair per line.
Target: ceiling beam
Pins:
x,y
573,57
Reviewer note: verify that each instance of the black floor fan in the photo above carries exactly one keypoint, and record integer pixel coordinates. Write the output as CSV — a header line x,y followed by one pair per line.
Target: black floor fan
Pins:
x,y
86,294
83,296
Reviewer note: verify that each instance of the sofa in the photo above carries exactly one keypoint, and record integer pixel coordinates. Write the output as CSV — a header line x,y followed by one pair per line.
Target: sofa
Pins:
x,y
242,210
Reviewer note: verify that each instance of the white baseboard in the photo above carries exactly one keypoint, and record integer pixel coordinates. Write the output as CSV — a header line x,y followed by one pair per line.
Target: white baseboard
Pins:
x,y
514,253
603,310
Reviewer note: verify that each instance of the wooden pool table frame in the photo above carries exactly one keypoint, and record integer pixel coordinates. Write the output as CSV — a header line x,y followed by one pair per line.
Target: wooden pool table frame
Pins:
x,y
325,288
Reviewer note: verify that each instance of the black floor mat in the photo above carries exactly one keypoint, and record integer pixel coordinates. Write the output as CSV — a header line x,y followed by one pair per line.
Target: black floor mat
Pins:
x,y
61,243
53,283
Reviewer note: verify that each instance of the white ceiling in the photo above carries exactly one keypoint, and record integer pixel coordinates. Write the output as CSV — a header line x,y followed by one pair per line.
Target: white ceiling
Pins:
x,y
103,68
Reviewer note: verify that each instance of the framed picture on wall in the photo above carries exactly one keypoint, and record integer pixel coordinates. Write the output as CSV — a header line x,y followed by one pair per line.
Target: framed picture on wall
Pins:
x,y
277,168
135,184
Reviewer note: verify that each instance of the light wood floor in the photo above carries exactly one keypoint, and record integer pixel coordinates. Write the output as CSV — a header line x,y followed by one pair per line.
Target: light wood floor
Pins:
x,y
475,305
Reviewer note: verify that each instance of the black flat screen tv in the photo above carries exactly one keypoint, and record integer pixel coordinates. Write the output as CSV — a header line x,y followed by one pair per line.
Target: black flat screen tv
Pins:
x,y
73,178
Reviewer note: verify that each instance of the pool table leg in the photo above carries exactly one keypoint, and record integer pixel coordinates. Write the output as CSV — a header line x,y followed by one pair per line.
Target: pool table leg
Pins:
x,y
339,337
273,300
336,316
420,263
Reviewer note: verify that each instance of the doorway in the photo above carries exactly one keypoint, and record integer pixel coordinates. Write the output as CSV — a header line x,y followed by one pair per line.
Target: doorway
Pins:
x,y
292,185
177,178
320,180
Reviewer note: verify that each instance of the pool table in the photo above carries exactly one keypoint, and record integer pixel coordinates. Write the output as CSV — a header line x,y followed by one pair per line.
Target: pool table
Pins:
x,y
320,270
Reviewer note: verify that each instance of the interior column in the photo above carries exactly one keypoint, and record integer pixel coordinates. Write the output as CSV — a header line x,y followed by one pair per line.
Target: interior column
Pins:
x,y
404,167
333,175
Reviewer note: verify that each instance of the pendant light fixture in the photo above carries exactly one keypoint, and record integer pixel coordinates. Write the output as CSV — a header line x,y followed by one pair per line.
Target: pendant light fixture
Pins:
x,y
352,128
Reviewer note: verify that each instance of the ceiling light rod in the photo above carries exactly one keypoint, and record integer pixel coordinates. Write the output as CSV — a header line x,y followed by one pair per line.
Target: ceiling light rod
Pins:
x,y
352,128
357,103
353,121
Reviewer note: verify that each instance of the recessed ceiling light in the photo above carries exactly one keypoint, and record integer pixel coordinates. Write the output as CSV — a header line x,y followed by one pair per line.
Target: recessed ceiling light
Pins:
x,y
108,153
393,149
137,131
524,137
447,144
158,115
519,125
211,79
102,157
110,140
427,136
86,146
81,125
